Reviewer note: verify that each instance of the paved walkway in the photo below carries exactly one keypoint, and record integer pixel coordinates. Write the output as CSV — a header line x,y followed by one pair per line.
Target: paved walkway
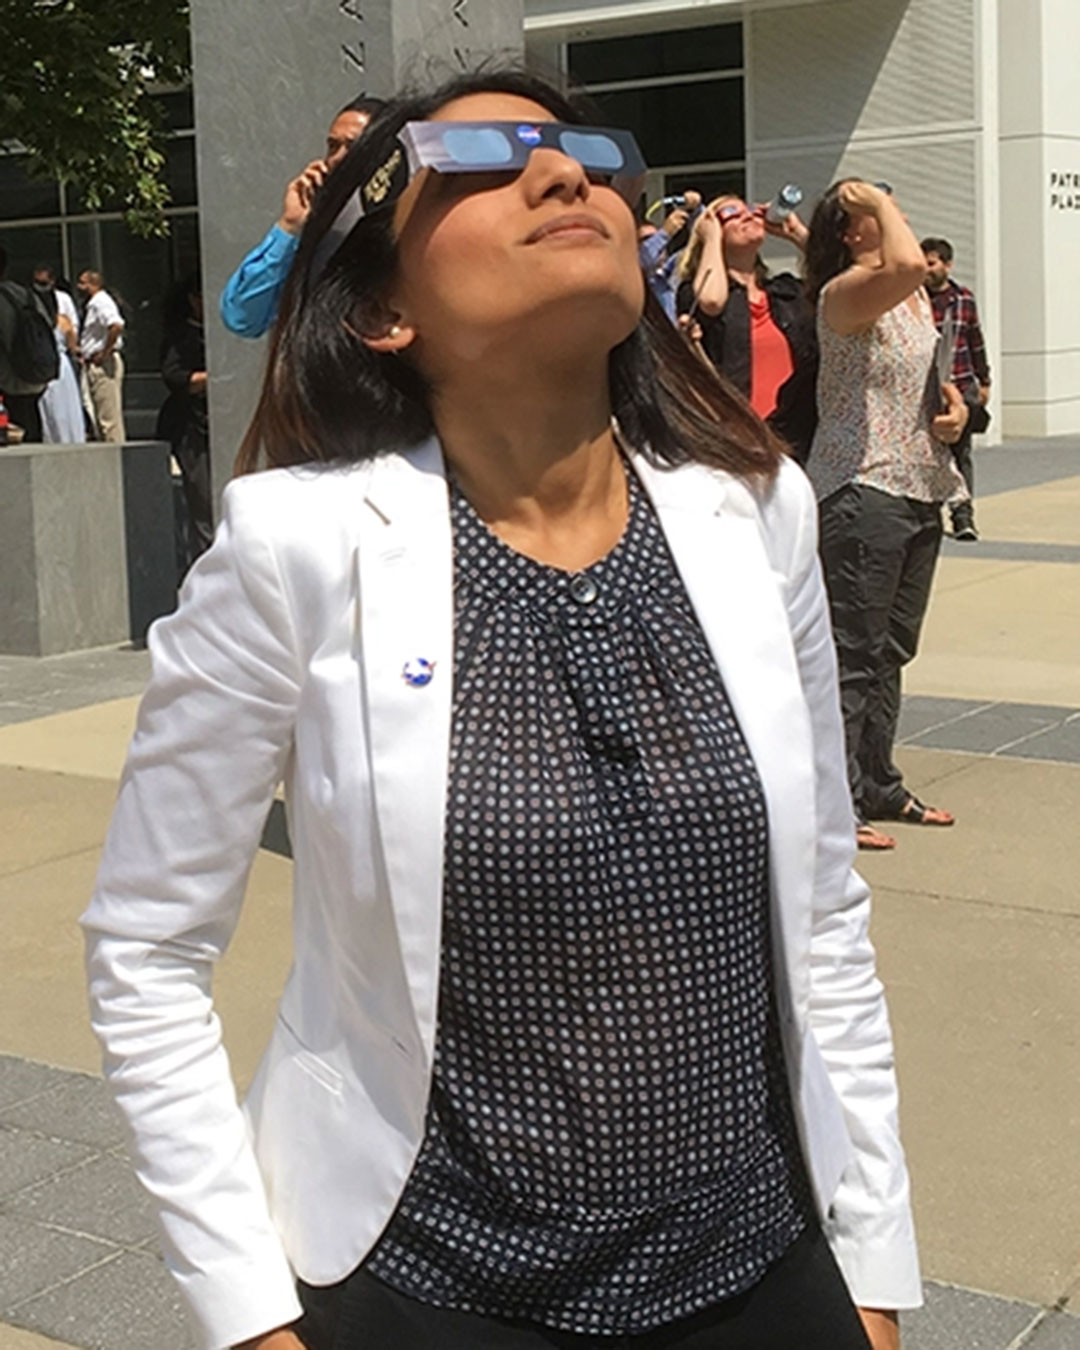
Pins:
x,y
978,930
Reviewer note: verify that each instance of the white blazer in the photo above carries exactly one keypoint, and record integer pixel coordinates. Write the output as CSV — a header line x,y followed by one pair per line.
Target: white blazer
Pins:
x,y
284,662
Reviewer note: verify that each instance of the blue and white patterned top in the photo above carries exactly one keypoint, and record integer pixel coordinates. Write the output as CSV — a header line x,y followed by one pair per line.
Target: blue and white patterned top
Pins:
x,y
610,1145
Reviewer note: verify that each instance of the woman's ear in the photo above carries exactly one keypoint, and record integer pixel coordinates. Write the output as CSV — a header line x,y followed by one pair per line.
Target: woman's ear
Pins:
x,y
392,335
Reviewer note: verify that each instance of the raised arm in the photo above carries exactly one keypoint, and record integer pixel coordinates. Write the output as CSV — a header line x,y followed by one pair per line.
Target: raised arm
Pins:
x,y
711,278
249,302
859,296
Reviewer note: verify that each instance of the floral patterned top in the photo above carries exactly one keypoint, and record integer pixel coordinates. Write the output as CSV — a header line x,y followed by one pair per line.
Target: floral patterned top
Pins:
x,y
875,403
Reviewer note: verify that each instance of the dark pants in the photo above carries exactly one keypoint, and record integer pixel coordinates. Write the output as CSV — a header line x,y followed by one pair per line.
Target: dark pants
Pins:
x,y
23,410
964,514
193,457
879,554
802,1303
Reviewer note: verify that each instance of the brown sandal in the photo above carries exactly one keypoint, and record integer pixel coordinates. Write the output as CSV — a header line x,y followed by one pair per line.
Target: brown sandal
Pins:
x,y
873,840
915,812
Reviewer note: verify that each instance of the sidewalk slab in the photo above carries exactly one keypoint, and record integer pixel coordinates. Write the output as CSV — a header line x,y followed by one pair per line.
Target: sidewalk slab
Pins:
x,y
12,1338
959,1319
128,1303
1043,514
1012,818
46,815
1059,1331
32,687
1022,730
979,950
88,742
1001,632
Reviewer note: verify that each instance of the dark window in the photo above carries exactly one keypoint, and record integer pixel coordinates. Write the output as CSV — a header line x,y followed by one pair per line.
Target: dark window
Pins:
x,y
180,170
22,196
138,274
178,109
681,123
717,183
681,51
28,246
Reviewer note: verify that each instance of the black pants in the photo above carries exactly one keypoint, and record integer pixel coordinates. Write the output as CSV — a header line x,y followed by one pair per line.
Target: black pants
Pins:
x,y
23,410
802,1303
192,453
879,553
964,513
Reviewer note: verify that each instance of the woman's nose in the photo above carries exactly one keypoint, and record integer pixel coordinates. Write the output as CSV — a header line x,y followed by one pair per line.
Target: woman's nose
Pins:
x,y
550,173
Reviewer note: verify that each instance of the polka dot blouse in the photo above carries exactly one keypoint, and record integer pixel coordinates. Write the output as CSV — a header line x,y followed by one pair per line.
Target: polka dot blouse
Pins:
x,y
609,1144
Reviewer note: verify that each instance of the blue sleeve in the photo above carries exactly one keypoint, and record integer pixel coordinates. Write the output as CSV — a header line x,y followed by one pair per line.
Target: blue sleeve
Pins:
x,y
249,302
651,250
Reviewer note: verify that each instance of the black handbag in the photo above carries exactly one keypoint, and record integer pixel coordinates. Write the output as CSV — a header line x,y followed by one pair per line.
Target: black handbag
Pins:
x,y
978,412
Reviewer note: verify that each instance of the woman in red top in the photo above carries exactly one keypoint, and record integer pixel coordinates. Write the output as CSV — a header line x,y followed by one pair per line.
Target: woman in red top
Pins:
x,y
756,328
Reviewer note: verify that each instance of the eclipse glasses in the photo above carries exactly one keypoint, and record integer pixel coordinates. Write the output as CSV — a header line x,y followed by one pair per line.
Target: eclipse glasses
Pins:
x,y
484,147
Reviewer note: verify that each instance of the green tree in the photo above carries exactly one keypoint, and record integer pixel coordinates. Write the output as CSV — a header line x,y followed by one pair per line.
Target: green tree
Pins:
x,y
73,92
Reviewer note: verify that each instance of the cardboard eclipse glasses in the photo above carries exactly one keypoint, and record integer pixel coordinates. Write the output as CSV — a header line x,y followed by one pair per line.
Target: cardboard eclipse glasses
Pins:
x,y
484,147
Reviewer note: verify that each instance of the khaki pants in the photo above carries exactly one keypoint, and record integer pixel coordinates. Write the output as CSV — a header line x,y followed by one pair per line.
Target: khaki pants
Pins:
x,y
103,390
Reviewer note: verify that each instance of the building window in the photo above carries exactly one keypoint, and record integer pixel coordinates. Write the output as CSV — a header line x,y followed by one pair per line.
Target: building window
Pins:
x,y
681,93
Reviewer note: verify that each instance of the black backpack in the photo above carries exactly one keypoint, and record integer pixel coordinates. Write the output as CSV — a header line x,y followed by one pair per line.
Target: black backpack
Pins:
x,y
34,355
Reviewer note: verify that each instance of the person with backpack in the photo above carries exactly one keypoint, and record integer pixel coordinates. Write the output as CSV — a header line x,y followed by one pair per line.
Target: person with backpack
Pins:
x,y
29,358
100,341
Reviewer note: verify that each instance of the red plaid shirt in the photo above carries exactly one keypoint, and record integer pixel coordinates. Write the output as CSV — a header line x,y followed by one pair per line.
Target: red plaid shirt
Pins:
x,y
970,366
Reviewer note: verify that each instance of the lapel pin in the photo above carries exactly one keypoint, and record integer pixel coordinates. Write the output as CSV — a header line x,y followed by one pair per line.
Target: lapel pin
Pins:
x,y
418,671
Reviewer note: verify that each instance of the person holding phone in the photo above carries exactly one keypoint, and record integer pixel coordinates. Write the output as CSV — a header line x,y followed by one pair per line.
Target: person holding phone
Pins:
x,y
583,1042
250,299
881,468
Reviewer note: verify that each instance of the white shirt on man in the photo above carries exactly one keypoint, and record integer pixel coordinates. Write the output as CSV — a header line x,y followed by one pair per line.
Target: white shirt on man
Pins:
x,y
101,313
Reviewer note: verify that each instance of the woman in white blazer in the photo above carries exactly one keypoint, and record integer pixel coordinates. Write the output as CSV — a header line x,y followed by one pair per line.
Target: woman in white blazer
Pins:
x,y
583,1043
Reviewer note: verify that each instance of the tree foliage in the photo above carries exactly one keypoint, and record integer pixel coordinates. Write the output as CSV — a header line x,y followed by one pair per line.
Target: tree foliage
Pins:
x,y
73,92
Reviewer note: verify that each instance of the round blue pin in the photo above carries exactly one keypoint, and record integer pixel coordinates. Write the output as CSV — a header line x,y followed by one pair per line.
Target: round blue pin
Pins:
x,y
418,671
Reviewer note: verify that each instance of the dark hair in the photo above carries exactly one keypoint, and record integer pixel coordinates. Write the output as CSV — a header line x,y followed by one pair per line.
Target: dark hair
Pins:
x,y
941,247
826,253
366,104
327,396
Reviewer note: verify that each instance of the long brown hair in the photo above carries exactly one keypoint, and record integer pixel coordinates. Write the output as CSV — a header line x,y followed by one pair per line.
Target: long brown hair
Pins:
x,y
326,396
826,253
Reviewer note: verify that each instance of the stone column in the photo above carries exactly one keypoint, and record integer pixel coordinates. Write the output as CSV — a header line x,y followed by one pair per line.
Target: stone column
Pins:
x,y
1040,216
268,81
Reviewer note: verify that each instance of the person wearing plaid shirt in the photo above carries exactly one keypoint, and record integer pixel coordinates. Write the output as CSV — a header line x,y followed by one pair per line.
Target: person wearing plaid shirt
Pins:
x,y
971,370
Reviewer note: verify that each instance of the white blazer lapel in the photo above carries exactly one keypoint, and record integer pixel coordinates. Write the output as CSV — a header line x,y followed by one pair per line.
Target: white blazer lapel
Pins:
x,y
405,586
712,528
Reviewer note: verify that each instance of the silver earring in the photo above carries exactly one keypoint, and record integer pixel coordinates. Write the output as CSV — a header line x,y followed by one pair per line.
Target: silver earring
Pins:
x,y
395,331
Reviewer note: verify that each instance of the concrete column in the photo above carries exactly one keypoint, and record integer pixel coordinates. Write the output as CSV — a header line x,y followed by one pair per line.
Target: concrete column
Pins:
x,y
1040,216
268,80
87,551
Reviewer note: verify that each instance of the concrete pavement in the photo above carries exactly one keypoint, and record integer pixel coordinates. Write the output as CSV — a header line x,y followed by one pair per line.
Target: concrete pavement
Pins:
x,y
978,930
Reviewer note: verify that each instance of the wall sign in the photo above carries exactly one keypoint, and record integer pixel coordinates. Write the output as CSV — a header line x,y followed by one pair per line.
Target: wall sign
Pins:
x,y
1065,192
